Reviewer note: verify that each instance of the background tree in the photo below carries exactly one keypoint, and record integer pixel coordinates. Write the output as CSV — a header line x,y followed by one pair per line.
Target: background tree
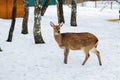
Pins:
x,y
119,14
25,19
13,22
118,1
37,22
60,11
73,13
45,6
0,49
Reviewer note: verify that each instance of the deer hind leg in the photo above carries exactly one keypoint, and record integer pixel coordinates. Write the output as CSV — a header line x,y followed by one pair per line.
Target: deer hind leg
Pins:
x,y
66,52
98,55
87,55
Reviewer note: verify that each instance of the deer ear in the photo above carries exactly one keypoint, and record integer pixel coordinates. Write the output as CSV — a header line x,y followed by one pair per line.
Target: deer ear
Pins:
x,y
52,24
61,24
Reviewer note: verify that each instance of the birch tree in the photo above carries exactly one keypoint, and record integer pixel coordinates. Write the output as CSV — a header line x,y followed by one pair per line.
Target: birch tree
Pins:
x,y
73,13
25,19
60,11
37,22
10,35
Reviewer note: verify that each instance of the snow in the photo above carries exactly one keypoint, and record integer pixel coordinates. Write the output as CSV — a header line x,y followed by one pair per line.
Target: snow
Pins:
x,y
22,59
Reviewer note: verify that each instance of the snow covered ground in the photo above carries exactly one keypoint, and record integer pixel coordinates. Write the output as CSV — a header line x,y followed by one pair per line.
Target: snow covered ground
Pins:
x,y
24,60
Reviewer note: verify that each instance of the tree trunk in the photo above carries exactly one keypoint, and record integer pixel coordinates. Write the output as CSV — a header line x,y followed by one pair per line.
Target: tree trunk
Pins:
x,y
119,14
13,22
83,2
25,19
37,23
0,49
73,13
95,3
118,1
45,6
60,11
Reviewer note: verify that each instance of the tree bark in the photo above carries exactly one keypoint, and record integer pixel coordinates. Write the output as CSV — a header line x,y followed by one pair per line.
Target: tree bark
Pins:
x,y
73,13
37,23
118,1
45,6
60,11
25,19
0,49
95,3
13,22
119,14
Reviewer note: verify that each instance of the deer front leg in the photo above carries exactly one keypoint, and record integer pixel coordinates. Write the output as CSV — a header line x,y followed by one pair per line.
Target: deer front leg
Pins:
x,y
66,52
86,58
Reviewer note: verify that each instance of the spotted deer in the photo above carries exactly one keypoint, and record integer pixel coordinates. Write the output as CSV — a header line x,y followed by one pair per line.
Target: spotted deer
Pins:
x,y
76,41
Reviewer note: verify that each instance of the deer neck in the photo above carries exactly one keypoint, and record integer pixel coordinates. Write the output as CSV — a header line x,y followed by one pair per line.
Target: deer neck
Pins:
x,y
58,38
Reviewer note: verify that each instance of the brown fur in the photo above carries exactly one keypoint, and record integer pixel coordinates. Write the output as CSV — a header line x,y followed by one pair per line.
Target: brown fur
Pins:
x,y
76,41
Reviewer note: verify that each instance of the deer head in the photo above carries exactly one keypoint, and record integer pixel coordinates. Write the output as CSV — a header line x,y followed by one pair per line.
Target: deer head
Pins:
x,y
56,28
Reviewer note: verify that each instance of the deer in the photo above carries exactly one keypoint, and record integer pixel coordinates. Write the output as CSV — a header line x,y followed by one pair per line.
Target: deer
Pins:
x,y
76,41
